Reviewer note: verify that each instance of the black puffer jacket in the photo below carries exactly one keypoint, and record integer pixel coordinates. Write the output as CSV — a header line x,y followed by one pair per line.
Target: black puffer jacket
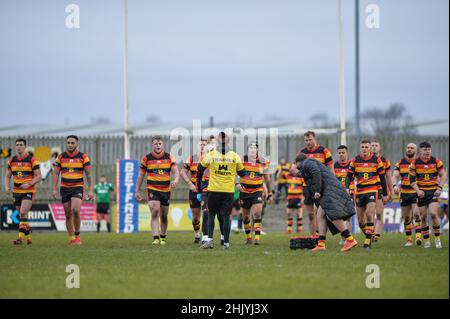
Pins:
x,y
334,199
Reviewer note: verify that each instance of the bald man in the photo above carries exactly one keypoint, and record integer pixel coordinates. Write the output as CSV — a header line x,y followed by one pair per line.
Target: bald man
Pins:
x,y
408,196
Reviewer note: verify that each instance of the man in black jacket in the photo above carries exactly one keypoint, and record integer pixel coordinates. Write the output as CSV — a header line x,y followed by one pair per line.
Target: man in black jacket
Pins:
x,y
335,205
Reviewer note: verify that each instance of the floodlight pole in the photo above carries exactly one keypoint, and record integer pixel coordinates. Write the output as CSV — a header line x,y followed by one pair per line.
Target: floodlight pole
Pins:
x,y
341,76
125,83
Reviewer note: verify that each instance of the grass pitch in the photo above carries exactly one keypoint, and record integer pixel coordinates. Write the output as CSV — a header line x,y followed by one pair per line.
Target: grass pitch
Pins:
x,y
128,266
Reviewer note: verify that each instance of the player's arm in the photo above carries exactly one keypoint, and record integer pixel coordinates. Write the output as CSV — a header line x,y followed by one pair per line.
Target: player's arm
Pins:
x,y
140,179
382,174
316,184
37,177
200,170
413,181
442,178
7,181
184,175
240,170
389,183
90,182
176,175
55,178
395,179
329,161
350,176
267,185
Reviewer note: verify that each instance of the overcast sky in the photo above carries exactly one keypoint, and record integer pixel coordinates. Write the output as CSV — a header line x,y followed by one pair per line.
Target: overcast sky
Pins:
x,y
189,59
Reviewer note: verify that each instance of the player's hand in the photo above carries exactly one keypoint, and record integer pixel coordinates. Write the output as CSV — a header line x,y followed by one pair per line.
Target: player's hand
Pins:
x,y
316,195
293,170
25,186
348,192
173,184
55,194
437,193
239,187
199,197
269,199
386,199
420,193
192,188
90,196
138,197
396,189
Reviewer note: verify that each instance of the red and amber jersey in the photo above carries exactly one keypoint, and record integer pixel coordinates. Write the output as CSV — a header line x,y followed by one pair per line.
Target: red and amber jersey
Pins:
x,y
284,169
341,170
387,168
205,180
366,171
403,167
158,168
191,165
22,170
427,172
320,153
72,167
253,180
294,187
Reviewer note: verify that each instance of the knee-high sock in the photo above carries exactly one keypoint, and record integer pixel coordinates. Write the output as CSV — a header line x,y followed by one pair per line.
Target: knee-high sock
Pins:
x,y
211,224
226,226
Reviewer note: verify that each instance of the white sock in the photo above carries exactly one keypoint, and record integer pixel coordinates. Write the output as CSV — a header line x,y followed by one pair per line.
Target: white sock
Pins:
x,y
222,237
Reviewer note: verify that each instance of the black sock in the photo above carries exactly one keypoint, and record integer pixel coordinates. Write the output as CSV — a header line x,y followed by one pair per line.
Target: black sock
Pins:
x,y
98,227
77,233
240,221
345,234
109,226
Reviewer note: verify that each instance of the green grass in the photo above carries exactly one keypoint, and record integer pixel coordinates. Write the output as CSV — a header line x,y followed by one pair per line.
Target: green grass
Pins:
x,y
128,266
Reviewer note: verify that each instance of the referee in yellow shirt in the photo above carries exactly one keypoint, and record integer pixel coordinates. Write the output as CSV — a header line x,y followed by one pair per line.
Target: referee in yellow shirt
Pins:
x,y
223,166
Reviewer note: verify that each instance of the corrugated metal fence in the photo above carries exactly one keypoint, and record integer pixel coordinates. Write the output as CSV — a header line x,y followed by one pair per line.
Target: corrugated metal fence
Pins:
x,y
105,151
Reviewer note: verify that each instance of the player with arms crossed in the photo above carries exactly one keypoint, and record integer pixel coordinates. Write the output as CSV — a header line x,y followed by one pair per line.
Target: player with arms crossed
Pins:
x,y
157,166
72,165
24,169
423,176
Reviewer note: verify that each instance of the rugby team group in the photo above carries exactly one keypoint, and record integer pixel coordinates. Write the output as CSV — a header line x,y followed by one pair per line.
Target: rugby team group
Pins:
x,y
226,184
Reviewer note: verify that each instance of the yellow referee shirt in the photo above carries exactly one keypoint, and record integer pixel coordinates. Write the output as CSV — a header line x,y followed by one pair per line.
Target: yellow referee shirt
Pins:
x,y
222,170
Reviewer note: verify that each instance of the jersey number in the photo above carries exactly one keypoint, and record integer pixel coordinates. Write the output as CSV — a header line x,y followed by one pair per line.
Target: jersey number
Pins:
x,y
366,175
426,177
161,172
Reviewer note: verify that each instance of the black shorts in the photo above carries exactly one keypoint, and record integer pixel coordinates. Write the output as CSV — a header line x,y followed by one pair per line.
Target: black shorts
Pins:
x,y
408,199
103,208
67,193
162,197
309,198
294,203
380,194
364,199
193,202
248,200
220,202
427,199
18,198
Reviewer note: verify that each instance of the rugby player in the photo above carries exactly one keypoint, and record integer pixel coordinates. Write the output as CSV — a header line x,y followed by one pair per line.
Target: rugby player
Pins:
x,y
72,165
340,170
223,166
251,191
367,169
24,169
158,166
281,178
190,166
408,196
423,176
379,210
294,205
